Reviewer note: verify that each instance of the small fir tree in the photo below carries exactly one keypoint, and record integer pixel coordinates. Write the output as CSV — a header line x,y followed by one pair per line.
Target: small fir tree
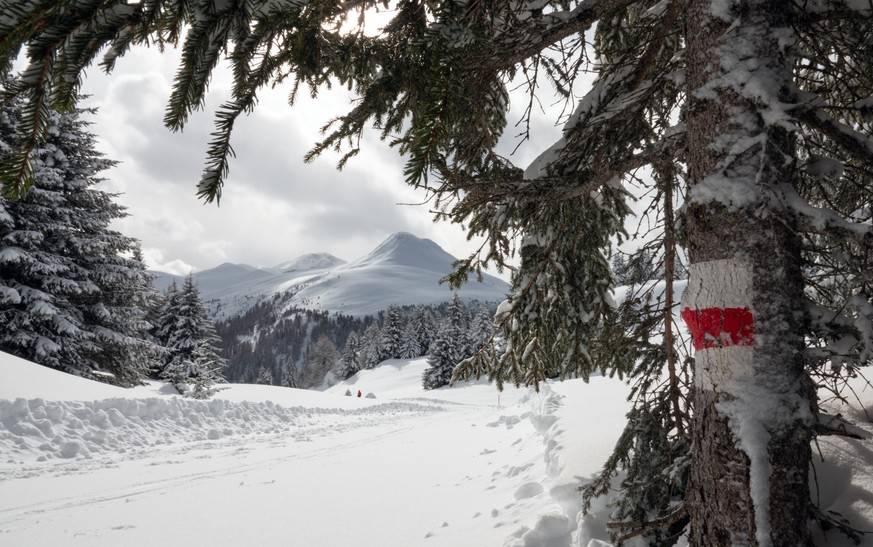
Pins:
x,y
193,362
449,348
481,329
371,349
322,359
349,364
411,347
291,375
265,376
423,328
392,334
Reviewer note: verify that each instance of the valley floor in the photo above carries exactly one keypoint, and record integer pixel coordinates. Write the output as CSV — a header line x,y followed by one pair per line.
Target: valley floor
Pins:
x,y
88,464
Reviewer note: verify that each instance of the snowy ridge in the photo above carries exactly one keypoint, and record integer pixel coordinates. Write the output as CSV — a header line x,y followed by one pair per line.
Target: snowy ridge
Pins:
x,y
402,270
309,262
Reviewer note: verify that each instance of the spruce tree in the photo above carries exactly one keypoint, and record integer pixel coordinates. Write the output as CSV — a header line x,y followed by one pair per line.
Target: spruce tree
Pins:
x,y
450,346
755,115
164,320
291,375
322,358
444,355
411,347
349,363
392,334
481,329
265,377
73,292
193,363
422,328
371,347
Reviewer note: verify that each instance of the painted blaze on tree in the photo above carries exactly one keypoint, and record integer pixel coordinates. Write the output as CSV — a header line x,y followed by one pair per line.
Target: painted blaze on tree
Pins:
x,y
747,123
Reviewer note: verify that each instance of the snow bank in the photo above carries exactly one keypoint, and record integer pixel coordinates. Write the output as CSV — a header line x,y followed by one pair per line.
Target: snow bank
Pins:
x,y
36,429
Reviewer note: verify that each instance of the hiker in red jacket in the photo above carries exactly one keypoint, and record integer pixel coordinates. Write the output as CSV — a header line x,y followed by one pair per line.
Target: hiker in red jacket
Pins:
x,y
359,393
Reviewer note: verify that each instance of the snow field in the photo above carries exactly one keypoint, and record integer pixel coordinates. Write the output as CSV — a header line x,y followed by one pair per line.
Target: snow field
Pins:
x,y
275,466
86,464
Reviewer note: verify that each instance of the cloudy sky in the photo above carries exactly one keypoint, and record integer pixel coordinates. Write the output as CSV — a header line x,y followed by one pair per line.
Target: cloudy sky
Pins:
x,y
274,207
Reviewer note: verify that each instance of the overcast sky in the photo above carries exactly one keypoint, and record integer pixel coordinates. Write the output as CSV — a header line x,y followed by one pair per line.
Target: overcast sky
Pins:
x,y
274,207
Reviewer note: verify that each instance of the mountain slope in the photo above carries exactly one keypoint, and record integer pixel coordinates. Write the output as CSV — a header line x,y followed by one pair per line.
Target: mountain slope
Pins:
x,y
403,270
309,262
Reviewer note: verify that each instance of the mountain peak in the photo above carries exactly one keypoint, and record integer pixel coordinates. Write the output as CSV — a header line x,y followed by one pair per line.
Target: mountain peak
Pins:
x,y
404,269
403,248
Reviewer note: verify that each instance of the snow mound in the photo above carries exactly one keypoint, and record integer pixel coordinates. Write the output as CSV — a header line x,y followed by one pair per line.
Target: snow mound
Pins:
x,y
40,430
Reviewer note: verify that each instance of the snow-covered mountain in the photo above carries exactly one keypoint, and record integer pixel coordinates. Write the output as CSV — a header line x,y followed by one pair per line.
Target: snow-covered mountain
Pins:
x,y
403,269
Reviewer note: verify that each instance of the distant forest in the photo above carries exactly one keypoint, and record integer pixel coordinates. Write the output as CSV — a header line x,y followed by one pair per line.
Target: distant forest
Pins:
x,y
273,339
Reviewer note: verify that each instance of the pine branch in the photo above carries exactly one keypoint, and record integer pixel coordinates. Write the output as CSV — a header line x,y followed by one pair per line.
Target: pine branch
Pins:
x,y
640,528
517,44
856,144
16,171
200,55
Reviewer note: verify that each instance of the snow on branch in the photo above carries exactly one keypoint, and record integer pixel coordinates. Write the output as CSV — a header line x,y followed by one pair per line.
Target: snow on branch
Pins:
x,y
819,220
830,9
851,141
517,44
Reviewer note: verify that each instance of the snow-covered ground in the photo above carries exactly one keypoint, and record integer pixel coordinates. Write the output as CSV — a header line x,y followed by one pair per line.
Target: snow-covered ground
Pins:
x,y
83,463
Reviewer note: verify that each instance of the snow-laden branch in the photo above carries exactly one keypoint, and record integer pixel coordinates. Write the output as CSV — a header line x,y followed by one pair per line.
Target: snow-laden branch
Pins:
x,y
819,220
517,44
833,9
853,142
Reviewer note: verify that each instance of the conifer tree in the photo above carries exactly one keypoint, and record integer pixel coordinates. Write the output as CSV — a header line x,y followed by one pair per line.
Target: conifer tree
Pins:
x,y
164,319
481,329
73,293
444,356
265,377
371,347
349,361
193,363
392,334
756,113
422,328
450,346
291,375
411,345
321,359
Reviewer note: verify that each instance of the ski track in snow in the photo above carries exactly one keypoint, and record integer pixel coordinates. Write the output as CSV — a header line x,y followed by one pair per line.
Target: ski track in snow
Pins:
x,y
61,462
447,468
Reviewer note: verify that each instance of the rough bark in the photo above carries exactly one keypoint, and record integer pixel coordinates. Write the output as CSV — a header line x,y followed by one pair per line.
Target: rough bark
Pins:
x,y
746,227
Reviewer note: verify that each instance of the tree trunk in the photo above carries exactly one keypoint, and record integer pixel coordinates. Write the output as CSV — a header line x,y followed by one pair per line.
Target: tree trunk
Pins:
x,y
744,301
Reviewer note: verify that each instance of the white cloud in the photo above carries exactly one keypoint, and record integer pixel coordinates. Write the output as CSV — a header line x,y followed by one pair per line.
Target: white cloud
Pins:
x,y
274,207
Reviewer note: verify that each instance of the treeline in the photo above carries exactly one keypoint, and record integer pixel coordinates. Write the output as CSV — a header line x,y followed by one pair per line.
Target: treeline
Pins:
x,y
284,345
270,341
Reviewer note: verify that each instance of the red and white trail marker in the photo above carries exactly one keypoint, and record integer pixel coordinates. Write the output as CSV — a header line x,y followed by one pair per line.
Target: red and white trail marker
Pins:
x,y
716,307
720,327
